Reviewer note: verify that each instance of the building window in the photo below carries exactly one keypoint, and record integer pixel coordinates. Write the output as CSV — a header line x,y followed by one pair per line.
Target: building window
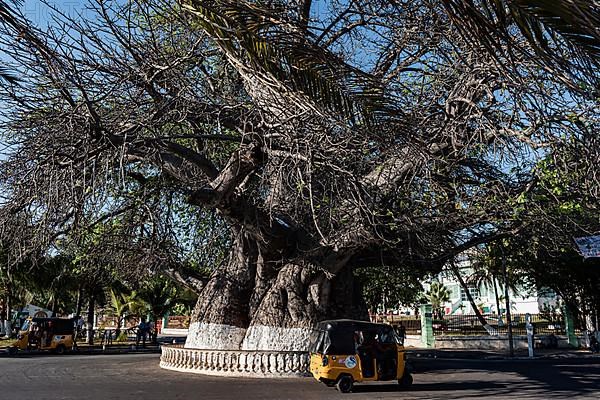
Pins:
x,y
484,291
472,289
454,292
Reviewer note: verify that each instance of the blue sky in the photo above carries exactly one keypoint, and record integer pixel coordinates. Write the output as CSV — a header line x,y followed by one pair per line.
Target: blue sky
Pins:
x,y
39,13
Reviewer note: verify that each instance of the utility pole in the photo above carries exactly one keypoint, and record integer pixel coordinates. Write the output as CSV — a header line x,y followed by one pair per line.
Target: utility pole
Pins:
x,y
511,349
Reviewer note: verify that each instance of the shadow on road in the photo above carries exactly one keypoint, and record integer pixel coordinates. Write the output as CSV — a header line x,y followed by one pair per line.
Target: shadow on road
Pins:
x,y
430,387
557,378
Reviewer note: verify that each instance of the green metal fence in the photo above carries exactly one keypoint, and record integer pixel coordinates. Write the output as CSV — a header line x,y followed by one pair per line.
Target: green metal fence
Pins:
x,y
469,324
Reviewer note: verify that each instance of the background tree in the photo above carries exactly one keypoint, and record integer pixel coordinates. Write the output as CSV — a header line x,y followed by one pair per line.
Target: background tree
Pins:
x,y
388,287
489,272
564,206
154,299
437,296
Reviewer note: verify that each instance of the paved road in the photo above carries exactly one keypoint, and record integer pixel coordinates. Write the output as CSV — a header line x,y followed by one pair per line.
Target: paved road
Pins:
x,y
137,376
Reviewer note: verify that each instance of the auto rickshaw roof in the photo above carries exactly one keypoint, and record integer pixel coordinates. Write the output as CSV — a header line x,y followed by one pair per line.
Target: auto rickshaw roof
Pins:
x,y
51,319
351,325
60,326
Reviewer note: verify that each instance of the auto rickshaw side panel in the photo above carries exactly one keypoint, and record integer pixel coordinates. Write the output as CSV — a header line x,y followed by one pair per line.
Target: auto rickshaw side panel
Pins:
x,y
328,368
58,340
22,340
401,362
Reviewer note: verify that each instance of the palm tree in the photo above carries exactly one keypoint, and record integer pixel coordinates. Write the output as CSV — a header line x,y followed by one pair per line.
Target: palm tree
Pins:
x,y
121,304
485,276
456,271
155,298
284,64
437,295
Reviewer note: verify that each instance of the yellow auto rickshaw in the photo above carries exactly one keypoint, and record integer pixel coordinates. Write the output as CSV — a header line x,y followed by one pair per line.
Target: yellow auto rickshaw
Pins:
x,y
54,334
344,352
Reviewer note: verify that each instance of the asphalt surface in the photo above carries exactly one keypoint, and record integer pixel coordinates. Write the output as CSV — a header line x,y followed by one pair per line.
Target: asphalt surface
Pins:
x,y
138,376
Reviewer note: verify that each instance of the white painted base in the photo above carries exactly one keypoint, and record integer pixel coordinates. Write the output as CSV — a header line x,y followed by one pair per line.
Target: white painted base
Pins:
x,y
214,336
255,338
269,338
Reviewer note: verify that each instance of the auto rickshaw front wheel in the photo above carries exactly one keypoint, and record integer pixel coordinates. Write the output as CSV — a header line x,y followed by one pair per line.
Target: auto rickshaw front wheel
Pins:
x,y
12,351
60,349
344,384
406,381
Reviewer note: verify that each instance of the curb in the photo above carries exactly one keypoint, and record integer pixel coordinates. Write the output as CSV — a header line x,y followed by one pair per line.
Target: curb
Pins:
x,y
87,351
493,357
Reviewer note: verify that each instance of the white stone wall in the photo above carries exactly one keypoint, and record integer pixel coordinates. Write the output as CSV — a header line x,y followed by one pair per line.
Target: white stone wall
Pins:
x,y
488,342
254,364
413,341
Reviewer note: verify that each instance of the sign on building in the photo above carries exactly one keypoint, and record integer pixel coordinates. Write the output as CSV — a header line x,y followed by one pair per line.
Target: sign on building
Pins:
x,y
589,246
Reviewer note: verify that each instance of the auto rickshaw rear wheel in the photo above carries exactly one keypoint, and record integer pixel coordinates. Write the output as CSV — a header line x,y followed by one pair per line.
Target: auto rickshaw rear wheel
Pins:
x,y
12,351
406,381
344,384
60,349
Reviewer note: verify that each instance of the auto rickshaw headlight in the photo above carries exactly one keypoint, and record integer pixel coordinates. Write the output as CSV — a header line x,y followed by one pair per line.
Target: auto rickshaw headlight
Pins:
x,y
325,361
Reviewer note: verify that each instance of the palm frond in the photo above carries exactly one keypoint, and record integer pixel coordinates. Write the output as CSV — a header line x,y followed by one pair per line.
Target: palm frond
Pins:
x,y
564,34
8,16
265,40
8,13
577,21
5,75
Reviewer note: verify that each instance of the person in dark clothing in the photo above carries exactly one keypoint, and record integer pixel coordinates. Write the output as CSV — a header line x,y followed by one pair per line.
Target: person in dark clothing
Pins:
x,y
594,344
142,332
402,333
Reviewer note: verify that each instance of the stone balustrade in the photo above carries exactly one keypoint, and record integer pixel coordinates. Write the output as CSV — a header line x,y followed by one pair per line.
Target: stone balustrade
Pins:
x,y
235,362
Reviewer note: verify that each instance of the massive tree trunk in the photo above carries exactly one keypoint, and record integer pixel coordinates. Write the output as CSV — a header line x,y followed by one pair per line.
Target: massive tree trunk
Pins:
x,y
259,301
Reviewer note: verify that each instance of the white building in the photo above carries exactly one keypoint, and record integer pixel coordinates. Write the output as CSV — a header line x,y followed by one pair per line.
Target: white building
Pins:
x,y
522,300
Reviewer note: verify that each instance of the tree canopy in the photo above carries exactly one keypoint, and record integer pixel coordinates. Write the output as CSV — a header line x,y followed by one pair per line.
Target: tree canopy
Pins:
x,y
369,133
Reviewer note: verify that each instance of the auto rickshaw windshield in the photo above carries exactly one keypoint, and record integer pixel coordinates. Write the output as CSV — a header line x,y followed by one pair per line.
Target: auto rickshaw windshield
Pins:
x,y
316,341
388,337
333,342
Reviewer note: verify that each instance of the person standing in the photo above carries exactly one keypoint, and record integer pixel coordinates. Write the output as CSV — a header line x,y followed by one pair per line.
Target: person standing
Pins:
x,y
79,323
143,329
402,333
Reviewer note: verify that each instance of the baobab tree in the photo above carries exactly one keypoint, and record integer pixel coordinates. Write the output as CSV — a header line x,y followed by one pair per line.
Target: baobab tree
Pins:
x,y
370,134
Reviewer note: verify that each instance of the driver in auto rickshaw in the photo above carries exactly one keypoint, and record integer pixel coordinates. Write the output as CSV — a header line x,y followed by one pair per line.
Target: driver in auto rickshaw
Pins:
x,y
34,336
376,348
46,334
